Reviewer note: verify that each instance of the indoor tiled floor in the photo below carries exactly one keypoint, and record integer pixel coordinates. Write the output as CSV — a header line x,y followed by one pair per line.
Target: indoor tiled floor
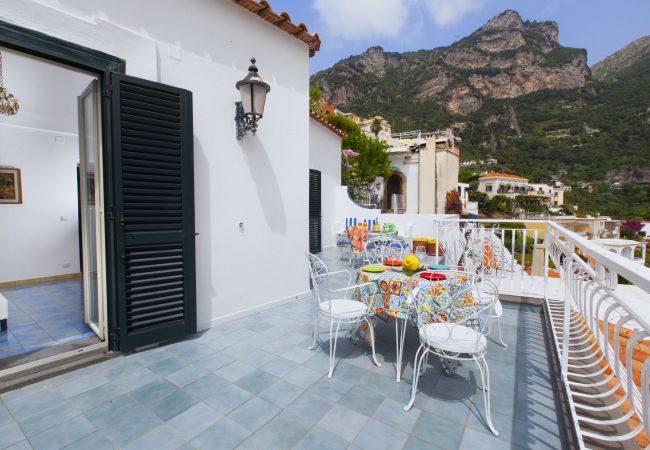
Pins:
x,y
253,384
41,315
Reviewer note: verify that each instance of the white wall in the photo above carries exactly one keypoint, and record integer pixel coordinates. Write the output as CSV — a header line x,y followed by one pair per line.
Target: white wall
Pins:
x,y
408,225
325,155
204,46
447,166
40,236
346,208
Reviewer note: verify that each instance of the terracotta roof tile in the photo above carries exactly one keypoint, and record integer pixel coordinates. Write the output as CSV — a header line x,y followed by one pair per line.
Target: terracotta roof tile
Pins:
x,y
326,124
282,21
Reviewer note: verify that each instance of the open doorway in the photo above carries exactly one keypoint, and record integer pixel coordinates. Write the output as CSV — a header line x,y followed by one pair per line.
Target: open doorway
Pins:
x,y
52,276
394,193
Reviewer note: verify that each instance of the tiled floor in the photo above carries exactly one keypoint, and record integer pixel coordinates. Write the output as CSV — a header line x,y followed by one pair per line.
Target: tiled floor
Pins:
x,y
252,384
41,315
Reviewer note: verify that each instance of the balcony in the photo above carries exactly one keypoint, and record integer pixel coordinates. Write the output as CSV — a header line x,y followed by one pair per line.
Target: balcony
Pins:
x,y
252,383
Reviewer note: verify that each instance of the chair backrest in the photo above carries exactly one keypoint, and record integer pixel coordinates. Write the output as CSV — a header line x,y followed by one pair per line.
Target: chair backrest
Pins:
x,y
359,238
375,250
343,239
394,248
456,301
319,275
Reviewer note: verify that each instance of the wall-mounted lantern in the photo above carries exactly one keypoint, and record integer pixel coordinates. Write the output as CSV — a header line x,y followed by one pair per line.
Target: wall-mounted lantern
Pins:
x,y
253,96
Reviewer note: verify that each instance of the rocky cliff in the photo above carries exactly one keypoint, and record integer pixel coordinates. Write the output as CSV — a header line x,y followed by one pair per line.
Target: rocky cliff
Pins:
x,y
506,58
622,59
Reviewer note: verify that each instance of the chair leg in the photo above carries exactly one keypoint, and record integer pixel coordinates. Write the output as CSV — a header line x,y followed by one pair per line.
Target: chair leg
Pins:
x,y
399,343
499,328
333,350
372,341
485,381
416,376
423,367
313,344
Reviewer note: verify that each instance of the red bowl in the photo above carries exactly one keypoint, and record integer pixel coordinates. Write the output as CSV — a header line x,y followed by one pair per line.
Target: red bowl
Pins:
x,y
433,276
392,263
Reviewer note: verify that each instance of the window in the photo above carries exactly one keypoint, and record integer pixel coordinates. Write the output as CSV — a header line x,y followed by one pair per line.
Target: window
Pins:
x,y
488,188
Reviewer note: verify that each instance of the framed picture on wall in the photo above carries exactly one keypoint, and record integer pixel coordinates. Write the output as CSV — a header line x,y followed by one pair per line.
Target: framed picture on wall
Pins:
x,y
11,190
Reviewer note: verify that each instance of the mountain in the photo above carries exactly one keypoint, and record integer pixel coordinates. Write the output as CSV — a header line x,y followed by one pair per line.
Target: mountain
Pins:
x,y
626,57
505,58
513,93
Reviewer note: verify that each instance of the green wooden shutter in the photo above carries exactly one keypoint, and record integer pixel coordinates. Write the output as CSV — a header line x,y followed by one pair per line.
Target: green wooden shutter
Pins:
x,y
154,211
315,223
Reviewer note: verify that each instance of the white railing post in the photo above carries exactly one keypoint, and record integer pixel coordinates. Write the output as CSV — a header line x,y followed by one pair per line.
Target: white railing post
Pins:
x,y
523,253
437,238
564,361
547,249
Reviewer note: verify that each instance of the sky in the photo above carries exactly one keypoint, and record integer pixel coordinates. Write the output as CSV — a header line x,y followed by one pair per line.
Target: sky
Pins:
x,y
348,27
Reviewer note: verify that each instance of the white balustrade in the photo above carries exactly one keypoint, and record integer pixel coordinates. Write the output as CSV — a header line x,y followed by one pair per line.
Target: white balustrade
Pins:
x,y
600,328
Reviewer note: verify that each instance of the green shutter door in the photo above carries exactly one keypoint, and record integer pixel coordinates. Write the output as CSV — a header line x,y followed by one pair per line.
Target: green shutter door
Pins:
x,y
315,223
154,211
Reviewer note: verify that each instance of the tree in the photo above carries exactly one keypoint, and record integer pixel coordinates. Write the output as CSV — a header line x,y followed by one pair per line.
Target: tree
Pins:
x,y
567,210
371,162
315,94
500,203
481,198
632,225
375,128
453,203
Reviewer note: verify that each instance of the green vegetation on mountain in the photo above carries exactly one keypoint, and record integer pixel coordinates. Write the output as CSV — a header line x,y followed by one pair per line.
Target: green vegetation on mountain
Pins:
x,y
514,94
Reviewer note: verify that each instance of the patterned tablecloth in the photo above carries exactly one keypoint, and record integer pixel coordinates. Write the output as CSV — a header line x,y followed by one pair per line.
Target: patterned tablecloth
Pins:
x,y
394,299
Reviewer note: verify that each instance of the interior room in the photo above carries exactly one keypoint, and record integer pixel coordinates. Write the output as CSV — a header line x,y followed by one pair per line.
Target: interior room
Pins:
x,y
44,204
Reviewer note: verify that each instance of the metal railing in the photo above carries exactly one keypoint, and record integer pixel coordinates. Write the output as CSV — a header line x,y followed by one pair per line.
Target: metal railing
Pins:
x,y
601,331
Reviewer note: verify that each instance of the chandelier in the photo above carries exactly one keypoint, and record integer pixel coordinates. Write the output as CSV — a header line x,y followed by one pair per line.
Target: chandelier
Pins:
x,y
8,103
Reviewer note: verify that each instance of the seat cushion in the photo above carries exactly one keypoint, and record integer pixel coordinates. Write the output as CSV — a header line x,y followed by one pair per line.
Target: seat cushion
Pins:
x,y
484,298
344,309
344,242
453,338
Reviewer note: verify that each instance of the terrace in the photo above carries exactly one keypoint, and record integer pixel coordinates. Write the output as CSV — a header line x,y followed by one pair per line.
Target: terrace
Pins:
x,y
252,383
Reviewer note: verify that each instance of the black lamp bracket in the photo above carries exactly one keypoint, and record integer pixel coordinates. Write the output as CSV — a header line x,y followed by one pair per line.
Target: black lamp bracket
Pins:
x,y
244,122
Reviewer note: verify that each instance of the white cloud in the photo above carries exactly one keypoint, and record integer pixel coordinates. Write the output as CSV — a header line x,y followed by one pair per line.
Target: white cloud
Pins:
x,y
361,19
449,12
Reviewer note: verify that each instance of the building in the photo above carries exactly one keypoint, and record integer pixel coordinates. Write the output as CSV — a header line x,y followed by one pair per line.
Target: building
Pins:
x,y
163,177
426,167
590,227
325,171
385,131
494,183
512,186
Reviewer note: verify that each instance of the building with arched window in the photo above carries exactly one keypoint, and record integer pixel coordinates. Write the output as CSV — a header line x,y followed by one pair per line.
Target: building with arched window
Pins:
x,y
425,167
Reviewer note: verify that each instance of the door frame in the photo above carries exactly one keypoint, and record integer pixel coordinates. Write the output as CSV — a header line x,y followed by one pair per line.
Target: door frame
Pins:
x,y
58,50
100,230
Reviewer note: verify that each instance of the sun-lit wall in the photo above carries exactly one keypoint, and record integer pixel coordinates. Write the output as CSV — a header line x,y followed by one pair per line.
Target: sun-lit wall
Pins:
x,y
262,181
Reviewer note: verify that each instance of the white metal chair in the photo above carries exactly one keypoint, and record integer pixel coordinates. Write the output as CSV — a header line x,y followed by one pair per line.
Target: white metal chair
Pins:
x,y
394,249
375,250
343,242
455,331
485,295
486,260
334,306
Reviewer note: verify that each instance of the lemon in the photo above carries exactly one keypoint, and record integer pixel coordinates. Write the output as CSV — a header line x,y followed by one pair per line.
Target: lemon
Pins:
x,y
411,263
